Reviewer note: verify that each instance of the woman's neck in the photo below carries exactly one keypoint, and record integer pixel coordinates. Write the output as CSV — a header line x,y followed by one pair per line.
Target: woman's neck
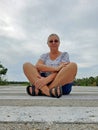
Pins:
x,y
54,52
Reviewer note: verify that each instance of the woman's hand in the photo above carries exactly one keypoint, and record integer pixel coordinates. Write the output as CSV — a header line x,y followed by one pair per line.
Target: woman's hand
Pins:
x,y
41,82
61,66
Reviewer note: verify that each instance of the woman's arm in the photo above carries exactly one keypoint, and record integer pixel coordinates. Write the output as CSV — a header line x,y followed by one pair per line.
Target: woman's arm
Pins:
x,y
51,77
42,67
42,81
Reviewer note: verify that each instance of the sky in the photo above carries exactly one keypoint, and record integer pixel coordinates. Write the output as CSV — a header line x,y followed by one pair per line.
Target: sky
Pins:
x,y
26,24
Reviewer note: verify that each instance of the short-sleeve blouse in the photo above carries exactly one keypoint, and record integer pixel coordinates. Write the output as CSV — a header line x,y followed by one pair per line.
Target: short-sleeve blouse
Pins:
x,y
63,57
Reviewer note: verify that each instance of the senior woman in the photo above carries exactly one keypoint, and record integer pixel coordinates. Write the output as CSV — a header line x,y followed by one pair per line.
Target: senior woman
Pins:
x,y
53,73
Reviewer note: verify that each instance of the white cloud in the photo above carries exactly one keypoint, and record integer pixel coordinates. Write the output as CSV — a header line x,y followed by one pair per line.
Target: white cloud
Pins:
x,y
25,26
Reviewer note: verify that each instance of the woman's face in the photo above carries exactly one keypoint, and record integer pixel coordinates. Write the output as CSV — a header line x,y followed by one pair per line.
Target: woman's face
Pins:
x,y
53,42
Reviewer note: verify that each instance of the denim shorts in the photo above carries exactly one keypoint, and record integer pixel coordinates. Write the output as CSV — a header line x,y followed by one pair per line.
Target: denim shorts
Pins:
x,y
66,89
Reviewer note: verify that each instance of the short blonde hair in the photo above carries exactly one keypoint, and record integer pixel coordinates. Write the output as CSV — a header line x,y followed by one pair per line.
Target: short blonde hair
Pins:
x,y
53,34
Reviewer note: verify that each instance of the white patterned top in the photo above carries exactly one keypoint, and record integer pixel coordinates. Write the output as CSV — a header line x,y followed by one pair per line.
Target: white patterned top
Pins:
x,y
64,57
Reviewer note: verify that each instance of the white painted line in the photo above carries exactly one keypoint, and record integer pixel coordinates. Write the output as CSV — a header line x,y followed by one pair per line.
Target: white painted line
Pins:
x,y
49,114
21,91
71,96
11,92
25,97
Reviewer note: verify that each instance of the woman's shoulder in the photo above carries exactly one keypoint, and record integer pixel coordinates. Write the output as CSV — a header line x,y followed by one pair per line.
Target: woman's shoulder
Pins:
x,y
44,56
64,53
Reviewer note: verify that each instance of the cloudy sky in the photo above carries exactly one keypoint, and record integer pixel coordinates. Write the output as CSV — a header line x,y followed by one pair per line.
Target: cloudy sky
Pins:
x,y
26,24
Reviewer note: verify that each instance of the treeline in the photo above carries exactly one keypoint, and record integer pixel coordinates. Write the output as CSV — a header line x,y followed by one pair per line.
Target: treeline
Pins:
x,y
91,81
5,82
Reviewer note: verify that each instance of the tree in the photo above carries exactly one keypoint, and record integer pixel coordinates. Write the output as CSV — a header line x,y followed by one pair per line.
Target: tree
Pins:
x,y
96,78
91,80
3,72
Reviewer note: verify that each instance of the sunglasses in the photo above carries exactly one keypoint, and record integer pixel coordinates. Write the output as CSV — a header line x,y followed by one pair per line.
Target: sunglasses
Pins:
x,y
56,41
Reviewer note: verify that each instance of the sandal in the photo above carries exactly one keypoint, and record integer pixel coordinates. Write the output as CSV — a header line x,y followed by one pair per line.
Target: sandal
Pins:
x,y
33,91
55,93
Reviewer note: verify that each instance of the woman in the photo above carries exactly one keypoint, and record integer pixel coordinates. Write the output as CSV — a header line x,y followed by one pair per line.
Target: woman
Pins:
x,y
53,74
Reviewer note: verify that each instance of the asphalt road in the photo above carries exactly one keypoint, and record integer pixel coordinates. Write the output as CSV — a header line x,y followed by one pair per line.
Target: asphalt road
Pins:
x,y
76,111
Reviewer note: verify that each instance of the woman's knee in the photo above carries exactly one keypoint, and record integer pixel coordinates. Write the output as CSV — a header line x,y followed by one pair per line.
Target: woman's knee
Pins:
x,y
74,67
27,65
73,64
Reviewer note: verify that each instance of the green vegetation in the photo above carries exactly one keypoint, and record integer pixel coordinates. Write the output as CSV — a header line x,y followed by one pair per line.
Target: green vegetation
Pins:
x,y
91,81
24,83
3,72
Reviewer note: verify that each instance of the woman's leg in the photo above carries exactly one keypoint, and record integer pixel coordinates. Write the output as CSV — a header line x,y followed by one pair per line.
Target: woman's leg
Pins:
x,y
31,72
65,75
33,75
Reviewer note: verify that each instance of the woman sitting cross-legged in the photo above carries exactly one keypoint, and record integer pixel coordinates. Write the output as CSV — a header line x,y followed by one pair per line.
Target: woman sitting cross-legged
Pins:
x,y
53,74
